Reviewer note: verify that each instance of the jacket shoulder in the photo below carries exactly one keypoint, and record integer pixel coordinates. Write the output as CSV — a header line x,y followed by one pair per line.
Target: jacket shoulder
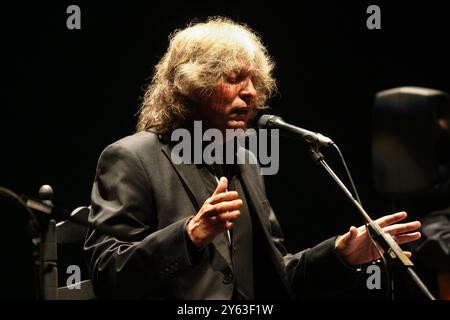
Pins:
x,y
137,143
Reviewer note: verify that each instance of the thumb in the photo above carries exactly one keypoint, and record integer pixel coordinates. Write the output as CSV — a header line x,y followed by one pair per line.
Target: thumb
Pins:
x,y
350,235
222,186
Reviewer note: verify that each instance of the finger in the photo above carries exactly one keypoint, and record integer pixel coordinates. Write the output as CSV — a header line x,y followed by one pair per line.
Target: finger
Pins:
x,y
390,219
227,216
225,206
405,238
225,196
216,228
222,186
407,253
402,227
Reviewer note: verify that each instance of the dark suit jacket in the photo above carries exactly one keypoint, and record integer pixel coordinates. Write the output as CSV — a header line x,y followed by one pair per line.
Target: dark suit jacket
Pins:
x,y
140,192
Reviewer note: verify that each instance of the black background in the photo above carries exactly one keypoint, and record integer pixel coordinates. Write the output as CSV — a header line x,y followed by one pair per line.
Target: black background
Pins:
x,y
67,94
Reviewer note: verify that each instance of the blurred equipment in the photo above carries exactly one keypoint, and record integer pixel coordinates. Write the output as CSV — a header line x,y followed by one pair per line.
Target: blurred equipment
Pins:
x,y
409,124
20,238
411,168
70,237
37,246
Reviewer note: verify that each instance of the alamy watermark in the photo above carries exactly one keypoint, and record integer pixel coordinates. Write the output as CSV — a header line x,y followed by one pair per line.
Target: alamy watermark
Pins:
x,y
374,20
235,146
74,278
374,280
74,20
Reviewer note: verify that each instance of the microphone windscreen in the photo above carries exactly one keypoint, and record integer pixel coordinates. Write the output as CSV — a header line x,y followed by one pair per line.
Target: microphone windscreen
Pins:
x,y
266,120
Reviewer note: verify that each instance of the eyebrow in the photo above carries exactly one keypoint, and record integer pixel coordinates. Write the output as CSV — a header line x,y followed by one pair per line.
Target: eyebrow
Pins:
x,y
242,71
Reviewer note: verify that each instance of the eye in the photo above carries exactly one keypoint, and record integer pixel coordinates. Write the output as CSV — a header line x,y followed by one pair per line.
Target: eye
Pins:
x,y
237,77
234,78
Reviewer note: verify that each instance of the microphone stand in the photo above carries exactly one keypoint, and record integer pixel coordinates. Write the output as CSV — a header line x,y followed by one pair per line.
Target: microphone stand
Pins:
x,y
392,250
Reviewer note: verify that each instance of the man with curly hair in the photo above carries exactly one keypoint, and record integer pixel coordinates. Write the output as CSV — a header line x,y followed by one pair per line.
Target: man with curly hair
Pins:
x,y
198,230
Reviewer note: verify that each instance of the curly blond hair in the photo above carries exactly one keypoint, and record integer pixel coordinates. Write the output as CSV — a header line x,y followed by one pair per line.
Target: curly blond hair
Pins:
x,y
198,58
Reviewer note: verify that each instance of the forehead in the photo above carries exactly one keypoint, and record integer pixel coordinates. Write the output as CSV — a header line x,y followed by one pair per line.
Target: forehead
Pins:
x,y
243,69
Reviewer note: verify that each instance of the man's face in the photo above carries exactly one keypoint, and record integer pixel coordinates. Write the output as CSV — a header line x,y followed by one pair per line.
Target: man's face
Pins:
x,y
232,103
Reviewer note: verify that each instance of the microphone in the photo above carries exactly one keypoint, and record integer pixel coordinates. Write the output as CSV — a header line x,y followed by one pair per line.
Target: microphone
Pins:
x,y
314,138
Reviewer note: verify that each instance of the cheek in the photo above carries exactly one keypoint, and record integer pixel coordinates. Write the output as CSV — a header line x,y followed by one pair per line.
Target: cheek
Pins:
x,y
222,99
226,95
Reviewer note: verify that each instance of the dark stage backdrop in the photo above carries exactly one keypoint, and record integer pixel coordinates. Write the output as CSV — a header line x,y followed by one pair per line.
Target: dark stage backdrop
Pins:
x,y
66,94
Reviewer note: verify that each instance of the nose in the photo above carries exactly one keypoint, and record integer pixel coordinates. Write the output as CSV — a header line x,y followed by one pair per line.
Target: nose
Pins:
x,y
248,91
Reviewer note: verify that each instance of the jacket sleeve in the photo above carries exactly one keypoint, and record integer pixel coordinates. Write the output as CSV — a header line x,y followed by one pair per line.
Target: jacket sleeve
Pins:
x,y
138,261
317,272
314,273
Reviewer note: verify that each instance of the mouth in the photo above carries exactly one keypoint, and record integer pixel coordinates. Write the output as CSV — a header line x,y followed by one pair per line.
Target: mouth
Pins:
x,y
240,113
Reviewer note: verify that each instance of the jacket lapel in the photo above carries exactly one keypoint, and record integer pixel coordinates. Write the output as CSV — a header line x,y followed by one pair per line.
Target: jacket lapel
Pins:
x,y
255,191
257,198
191,177
256,195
